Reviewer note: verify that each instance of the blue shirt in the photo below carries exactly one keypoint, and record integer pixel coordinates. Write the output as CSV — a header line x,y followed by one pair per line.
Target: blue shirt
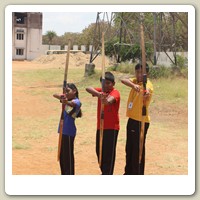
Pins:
x,y
69,127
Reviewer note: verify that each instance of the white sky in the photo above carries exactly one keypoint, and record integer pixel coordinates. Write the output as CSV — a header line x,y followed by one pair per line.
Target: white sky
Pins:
x,y
62,22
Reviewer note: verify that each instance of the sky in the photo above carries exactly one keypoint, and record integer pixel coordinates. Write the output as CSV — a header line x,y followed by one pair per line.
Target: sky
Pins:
x,y
62,22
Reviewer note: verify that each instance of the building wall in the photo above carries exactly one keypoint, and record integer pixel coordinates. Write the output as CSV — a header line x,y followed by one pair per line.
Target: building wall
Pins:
x,y
45,48
30,43
164,60
34,43
19,44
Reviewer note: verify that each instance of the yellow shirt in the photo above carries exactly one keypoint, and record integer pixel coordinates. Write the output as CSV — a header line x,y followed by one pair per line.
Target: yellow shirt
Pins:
x,y
135,102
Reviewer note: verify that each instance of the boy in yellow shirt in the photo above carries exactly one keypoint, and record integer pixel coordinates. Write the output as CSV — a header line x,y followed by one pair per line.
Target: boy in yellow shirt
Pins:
x,y
134,113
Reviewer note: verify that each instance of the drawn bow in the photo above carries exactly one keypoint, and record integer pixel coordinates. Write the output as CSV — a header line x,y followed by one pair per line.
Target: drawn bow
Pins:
x,y
102,105
63,105
144,91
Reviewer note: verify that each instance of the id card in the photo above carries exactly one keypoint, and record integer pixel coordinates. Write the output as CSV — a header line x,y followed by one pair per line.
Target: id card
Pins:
x,y
130,105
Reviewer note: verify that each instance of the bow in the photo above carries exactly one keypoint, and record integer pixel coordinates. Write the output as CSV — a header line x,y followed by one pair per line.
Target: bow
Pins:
x,y
144,91
63,105
102,105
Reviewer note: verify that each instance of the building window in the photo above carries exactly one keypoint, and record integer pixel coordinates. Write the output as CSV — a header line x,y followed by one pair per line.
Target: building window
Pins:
x,y
20,36
20,18
20,52
20,30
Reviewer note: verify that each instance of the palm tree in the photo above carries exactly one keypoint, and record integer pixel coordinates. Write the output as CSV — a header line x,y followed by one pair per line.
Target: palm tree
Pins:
x,y
50,35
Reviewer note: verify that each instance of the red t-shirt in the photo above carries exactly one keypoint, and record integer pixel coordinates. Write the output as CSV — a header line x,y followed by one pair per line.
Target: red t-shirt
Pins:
x,y
111,115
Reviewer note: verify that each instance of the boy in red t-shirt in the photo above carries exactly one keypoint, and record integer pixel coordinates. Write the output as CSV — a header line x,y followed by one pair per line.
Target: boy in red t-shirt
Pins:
x,y
111,101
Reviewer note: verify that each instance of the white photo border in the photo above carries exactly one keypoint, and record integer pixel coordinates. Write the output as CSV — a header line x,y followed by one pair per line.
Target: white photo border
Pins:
x,y
91,184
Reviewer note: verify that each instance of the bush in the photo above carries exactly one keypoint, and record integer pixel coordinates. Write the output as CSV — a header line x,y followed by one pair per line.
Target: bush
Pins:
x,y
123,67
155,72
126,52
180,72
184,72
159,71
182,66
182,62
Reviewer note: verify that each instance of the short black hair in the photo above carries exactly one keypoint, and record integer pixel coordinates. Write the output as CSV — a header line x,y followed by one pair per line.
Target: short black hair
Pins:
x,y
139,66
108,76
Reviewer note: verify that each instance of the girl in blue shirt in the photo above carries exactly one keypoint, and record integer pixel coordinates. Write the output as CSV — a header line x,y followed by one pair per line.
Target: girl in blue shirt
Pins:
x,y
72,110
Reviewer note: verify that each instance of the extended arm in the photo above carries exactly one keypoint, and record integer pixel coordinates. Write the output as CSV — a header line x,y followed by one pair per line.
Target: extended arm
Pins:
x,y
93,92
106,99
136,87
64,100
129,83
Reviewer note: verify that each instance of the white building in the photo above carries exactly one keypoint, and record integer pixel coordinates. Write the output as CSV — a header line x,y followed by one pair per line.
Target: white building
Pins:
x,y
27,35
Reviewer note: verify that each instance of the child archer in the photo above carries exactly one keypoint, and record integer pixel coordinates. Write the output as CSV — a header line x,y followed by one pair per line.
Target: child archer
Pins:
x,y
134,114
72,111
111,101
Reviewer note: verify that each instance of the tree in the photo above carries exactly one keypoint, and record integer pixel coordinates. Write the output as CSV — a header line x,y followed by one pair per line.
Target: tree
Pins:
x,y
122,37
50,35
171,32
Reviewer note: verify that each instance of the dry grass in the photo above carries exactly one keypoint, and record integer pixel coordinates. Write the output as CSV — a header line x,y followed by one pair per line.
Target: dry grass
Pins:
x,y
36,114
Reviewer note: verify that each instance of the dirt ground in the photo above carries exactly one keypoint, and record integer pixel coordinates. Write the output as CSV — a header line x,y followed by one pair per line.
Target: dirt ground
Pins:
x,y
166,147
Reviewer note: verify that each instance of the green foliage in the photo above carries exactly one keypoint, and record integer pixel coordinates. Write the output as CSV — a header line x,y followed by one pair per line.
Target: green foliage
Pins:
x,y
182,67
123,67
129,52
166,72
184,72
50,35
180,72
155,72
182,61
158,72
126,52
109,47
131,31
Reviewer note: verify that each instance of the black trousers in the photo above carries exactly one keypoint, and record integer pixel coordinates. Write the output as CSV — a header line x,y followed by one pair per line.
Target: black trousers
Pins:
x,y
67,155
132,148
108,150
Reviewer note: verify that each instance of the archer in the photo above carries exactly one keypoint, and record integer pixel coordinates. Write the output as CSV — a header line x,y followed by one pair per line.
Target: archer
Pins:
x,y
111,100
72,110
134,106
